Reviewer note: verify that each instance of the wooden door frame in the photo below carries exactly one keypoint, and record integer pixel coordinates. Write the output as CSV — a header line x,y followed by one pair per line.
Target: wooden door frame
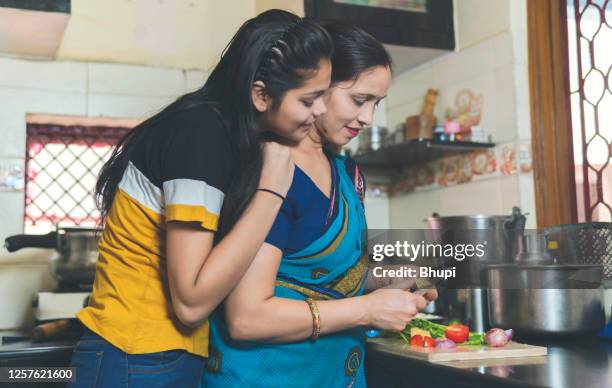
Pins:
x,y
551,132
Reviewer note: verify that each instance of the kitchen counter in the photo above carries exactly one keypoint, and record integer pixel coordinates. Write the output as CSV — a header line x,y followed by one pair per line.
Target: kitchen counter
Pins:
x,y
584,362
16,349
26,353
26,350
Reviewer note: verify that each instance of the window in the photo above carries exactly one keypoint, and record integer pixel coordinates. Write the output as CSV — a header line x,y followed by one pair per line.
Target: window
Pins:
x,y
62,165
589,32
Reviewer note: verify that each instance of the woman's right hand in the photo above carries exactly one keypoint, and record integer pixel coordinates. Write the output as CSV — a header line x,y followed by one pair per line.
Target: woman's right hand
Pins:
x,y
277,169
392,309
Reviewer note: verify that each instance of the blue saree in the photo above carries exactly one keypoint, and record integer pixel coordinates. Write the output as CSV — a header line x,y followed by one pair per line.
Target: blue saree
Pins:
x,y
333,266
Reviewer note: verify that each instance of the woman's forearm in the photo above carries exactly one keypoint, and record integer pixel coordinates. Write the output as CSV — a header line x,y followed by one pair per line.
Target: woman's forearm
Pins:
x,y
289,320
204,283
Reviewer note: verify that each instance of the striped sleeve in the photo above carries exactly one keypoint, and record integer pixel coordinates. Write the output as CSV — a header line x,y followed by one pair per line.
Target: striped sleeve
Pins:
x,y
196,170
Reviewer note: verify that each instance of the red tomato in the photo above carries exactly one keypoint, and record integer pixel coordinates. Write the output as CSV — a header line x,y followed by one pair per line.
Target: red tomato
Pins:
x,y
416,340
457,333
429,342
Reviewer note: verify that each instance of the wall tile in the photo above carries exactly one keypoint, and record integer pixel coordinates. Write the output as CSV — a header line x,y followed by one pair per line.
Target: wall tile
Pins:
x,y
104,78
45,75
410,85
377,212
18,285
12,128
523,109
502,45
463,65
478,20
380,114
125,106
195,79
12,171
480,197
505,106
527,190
510,192
11,214
17,102
399,113
518,15
410,211
444,70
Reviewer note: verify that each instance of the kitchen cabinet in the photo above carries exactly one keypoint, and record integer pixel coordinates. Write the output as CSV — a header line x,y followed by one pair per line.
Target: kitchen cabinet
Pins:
x,y
414,33
430,27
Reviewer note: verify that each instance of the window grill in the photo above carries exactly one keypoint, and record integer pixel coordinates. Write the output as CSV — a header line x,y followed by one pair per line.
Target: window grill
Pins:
x,y
589,31
62,166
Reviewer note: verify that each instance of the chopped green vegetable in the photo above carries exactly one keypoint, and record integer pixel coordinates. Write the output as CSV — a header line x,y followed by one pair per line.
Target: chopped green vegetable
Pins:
x,y
437,331
475,339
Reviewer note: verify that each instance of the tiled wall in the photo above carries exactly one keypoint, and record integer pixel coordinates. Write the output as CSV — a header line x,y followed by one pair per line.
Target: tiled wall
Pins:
x,y
61,88
491,59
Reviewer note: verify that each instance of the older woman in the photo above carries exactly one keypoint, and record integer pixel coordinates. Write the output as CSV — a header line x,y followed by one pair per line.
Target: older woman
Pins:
x,y
297,316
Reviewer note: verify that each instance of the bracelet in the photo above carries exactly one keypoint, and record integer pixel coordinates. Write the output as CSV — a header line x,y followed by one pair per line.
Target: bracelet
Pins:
x,y
316,319
272,192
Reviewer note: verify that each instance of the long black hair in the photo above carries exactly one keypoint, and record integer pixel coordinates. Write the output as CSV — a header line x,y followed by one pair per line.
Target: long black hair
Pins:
x,y
355,51
276,47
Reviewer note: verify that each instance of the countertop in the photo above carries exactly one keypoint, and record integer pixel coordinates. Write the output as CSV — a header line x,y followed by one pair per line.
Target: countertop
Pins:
x,y
584,362
27,349
26,353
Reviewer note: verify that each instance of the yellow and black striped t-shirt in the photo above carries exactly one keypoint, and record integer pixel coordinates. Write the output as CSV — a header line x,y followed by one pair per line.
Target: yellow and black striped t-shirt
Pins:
x,y
179,171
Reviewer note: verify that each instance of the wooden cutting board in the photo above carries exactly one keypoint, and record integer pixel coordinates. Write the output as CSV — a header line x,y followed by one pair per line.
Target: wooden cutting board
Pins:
x,y
461,352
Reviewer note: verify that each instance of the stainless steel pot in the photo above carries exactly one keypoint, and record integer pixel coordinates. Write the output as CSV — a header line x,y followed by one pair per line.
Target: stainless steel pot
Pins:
x,y
464,297
546,299
372,138
499,234
77,252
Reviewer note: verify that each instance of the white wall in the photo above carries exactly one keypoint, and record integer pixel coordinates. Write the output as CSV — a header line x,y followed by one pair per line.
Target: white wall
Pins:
x,y
491,59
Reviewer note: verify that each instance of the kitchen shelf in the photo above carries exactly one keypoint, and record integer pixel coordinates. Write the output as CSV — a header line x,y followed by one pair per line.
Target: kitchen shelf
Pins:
x,y
415,152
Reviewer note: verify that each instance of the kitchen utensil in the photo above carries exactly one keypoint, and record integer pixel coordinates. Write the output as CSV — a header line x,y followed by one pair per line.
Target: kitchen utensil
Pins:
x,y
51,330
498,233
545,299
399,347
77,250
464,297
372,138
532,249
583,243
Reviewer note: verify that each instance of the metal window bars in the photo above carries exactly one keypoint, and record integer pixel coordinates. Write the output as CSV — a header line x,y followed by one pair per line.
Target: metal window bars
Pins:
x,y
62,165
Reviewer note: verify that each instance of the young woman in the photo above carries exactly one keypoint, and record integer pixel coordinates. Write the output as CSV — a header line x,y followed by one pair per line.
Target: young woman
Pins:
x,y
296,319
170,252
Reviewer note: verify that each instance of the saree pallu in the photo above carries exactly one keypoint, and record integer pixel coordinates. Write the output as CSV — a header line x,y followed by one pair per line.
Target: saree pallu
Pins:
x,y
333,266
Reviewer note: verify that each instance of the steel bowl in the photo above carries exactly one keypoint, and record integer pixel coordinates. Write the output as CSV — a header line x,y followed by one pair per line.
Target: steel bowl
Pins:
x,y
546,299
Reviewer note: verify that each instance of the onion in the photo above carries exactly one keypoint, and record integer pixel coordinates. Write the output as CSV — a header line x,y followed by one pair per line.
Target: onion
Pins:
x,y
445,344
509,334
496,337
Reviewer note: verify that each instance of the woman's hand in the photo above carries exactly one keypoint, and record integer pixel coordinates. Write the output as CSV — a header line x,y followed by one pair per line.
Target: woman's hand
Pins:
x,y
392,309
278,167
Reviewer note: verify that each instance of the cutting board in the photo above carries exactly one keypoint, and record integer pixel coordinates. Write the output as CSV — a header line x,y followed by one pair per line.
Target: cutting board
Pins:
x,y
461,352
